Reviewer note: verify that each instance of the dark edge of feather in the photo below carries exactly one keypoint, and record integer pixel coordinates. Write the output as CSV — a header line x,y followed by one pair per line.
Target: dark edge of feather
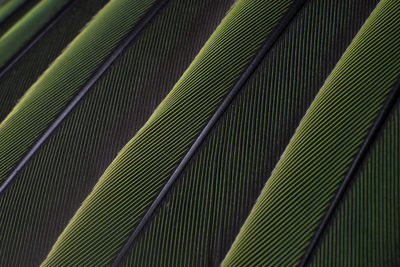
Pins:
x,y
147,18
37,38
271,40
362,154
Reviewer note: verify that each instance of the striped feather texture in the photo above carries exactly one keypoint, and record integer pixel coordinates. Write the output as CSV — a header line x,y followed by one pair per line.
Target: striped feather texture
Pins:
x,y
135,177
19,34
64,79
202,214
365,230
21,73
63,171
302,185
235,136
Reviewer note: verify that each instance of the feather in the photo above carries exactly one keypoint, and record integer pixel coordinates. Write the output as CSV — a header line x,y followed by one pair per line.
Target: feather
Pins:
x,y
30,24
157,138
29,63
135,177
65,167
326,150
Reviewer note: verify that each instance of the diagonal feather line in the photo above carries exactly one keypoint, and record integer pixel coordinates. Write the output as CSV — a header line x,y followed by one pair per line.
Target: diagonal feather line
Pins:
x,y
36,39
14,16
22,6
287,18
358,160
147,18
